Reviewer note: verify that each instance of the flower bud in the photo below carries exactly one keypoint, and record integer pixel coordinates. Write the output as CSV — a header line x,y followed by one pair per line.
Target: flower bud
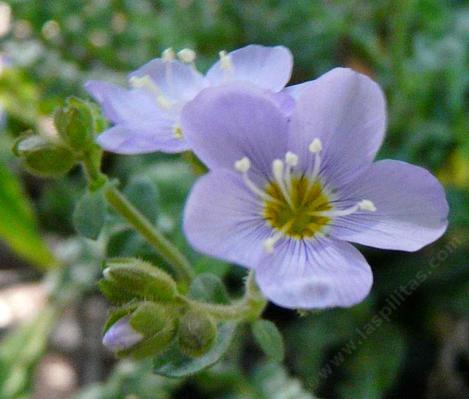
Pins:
x,y
121,336
146,331
126,279
74,122
42,157
197,333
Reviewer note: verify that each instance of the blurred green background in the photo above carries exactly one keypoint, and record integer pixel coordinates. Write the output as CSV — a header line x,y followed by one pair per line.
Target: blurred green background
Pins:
x,y
418,52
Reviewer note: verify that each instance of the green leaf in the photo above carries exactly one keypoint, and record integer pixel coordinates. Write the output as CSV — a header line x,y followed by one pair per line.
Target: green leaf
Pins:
x,y
176,365
269,339
20,352
18,226
90,214
142,193
373,368
207,287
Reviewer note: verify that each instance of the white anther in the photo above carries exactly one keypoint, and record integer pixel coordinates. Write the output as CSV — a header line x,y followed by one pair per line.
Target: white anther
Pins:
x,y
315,146
243,165
177,131
291,159
277,169
367,205
139,82
225,61
187,55
269,244
168,55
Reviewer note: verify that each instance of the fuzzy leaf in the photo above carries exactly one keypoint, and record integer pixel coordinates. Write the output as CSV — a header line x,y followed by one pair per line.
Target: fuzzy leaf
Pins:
x,y
90,214
269,339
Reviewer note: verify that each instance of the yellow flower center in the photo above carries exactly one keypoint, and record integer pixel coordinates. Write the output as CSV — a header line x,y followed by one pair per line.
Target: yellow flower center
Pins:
x,y
297,221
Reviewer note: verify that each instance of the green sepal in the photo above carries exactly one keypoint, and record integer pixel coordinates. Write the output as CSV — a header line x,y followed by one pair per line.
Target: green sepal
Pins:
x,y
197,333
117,314
75,124
141,279
149,318
43,157
114,293
157,325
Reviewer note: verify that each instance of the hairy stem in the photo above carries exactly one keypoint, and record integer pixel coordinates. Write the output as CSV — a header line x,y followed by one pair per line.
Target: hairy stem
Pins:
x,y
170,253
91,164
247,308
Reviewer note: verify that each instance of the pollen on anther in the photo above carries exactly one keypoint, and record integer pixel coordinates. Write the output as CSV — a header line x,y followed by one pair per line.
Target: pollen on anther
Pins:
x,y
315,146
168,55
277,168
367,205
242,165
187,55
269,245
225,61
177,132
291,159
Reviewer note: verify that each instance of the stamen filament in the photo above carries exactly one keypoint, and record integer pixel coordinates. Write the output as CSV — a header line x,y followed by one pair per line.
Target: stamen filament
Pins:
x,y
291,160
315,148
277,171
243,165
146,82
270,242
364,205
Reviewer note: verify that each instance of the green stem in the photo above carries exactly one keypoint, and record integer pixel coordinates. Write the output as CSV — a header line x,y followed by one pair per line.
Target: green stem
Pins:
x,y
91,164
250,307
170,253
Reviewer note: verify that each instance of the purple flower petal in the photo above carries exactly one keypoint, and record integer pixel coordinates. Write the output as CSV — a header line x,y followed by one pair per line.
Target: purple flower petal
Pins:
x,y
176,80
346,111
123,140
121,336
319,274
122,105
267,67
141,126
221,219
411,208
227,123
295,91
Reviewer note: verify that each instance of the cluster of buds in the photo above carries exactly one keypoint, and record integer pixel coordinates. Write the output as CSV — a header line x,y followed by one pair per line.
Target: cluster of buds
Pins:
x,y
55,155
150,314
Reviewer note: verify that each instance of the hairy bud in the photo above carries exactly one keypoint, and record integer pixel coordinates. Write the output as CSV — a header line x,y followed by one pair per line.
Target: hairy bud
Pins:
x,y
129,278
43,157
197,333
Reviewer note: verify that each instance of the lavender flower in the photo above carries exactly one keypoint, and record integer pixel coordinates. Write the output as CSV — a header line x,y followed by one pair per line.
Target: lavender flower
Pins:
x,y
147,116
284,197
